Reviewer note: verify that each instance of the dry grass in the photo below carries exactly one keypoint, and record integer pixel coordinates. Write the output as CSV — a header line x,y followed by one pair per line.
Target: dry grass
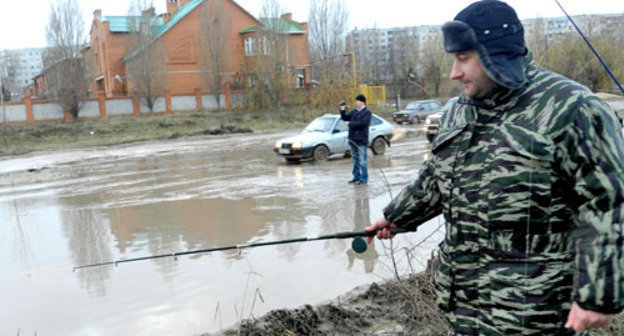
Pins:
x,y
403,307
22,139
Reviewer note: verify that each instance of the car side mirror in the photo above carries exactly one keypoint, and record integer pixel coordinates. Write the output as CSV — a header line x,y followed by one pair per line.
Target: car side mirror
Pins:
x,y
336,130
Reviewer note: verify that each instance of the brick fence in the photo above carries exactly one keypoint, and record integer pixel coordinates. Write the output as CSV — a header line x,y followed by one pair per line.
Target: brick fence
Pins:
x,y
31,111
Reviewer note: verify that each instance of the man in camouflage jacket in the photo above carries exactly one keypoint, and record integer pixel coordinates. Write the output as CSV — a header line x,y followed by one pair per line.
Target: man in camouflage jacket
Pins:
x,y
528,171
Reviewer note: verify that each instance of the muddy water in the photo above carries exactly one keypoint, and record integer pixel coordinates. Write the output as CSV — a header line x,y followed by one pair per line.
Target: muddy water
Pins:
x,y
79,207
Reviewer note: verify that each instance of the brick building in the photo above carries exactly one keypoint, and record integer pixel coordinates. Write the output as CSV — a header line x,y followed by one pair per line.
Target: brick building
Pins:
x,y
178,33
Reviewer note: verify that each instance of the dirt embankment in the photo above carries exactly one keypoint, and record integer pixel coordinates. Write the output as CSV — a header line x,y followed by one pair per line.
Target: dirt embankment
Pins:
x,y
398,307
393,308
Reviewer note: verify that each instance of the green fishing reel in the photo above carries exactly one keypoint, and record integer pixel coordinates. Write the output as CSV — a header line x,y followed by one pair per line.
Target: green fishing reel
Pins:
x,y
359,245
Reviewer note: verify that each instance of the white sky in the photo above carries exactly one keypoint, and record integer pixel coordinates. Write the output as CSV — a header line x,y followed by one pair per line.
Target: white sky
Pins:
x,y
22,23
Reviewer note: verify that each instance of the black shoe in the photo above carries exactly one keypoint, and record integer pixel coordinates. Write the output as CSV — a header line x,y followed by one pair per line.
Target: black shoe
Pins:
x,y
354,181
360,182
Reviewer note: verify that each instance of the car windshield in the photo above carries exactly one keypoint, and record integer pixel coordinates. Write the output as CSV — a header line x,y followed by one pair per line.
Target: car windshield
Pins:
x,y
415,106
323,124
448,104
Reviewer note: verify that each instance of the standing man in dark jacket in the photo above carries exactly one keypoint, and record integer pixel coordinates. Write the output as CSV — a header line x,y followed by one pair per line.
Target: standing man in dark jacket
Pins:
x,y
528,172
358,121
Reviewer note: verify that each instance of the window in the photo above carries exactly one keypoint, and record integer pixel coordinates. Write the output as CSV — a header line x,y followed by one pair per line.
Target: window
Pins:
x,y
342,126
300,78
375,121
250,46
252,80
264,45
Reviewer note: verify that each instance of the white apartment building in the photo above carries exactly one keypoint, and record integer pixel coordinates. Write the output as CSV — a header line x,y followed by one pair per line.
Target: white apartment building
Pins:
x,y
377,48
20,66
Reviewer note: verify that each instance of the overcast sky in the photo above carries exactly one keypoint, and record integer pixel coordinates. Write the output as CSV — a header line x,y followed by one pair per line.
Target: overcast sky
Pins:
x,y
22,23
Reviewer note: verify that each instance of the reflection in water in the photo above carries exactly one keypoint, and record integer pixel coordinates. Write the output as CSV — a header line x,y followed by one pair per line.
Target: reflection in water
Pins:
x,y
361,219
89,242
167,227
299,177
114,208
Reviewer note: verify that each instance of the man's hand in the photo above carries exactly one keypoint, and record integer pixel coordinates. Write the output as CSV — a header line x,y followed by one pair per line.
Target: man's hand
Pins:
x,y
580,319
380,226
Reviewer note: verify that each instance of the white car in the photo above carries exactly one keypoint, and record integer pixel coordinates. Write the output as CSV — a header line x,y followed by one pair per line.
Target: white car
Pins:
x,y
327,135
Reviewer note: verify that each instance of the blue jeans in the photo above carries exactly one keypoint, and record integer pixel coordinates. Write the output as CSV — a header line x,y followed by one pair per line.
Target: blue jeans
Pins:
x,y
360,162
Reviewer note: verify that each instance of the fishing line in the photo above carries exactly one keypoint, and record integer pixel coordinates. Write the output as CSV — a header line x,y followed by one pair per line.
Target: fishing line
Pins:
x,y
591,47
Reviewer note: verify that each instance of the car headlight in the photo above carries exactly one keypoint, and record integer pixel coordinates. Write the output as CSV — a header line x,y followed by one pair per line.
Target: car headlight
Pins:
x,y
428,121
278,145
297,145
405,116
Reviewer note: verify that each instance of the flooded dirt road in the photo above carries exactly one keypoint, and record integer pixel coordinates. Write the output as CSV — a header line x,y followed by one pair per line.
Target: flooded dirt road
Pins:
x,y
72,208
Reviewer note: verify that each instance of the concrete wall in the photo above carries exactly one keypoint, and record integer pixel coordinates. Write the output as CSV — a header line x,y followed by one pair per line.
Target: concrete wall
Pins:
x,y
159,106
117,107
237,99
210,102
89,109
184,103
51,111
13,113
48,111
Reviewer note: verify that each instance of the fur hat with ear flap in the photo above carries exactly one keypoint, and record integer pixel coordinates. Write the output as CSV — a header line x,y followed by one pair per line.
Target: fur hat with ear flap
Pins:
x,y
493,30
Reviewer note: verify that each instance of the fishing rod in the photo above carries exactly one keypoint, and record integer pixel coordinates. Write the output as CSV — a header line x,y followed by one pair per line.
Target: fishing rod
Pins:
x,y
591,47
358,244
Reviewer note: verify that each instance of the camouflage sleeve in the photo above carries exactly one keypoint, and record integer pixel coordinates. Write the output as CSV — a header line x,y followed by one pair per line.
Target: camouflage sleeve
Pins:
x,y
418,202
594,163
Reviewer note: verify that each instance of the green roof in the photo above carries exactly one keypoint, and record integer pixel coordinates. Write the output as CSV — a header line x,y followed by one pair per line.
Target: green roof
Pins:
x,y
122,24
276,24
159,30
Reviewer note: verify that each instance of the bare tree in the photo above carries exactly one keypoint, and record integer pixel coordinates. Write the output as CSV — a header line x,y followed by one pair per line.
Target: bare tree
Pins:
x,y
570,56
403,49
373,57
328,24
537,42
9,63
270,74
435,63
66,75
215,32
145,63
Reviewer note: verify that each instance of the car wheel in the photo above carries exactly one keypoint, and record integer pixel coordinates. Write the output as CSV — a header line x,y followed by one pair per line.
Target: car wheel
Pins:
x,y
320,153
378,146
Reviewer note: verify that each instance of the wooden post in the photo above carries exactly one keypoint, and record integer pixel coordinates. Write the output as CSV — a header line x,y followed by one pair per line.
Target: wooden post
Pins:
x,y
102,104
168,102
198,100
29,108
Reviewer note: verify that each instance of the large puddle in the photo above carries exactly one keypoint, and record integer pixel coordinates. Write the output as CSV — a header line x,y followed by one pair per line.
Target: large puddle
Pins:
x,y
82,207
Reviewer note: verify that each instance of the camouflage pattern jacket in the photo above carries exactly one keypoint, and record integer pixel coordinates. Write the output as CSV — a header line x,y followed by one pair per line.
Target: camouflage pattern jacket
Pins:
x,y
531,186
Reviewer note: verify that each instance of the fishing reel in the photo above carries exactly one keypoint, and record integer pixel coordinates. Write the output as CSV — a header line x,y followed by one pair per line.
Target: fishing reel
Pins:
x,y
359,245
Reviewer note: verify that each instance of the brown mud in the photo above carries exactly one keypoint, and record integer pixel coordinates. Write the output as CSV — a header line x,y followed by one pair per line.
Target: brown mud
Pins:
x,y
395,307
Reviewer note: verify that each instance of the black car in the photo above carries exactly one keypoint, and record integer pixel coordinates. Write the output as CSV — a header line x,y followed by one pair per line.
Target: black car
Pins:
x,y
416,111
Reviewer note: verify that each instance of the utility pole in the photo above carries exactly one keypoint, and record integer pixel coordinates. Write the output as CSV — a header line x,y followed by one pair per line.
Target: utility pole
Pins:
x,y
546,50
351,56
2,88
